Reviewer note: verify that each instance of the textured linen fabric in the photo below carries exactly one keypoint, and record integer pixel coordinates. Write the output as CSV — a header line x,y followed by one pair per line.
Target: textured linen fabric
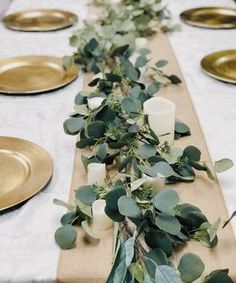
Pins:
x,y
214,101
28,252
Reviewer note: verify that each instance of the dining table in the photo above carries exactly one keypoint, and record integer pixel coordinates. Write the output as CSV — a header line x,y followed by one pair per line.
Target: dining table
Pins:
x,y
28,252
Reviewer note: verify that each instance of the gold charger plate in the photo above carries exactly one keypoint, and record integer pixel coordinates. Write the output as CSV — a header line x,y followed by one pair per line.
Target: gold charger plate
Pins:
x,y
210,17
40,20
25,168
221,65
34,74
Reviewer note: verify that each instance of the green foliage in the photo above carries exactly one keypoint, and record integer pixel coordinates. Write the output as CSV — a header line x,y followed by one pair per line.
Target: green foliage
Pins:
x,y
86,195
128,207
223,165
65,237
117,132
112,208
166,201
190,267
218,276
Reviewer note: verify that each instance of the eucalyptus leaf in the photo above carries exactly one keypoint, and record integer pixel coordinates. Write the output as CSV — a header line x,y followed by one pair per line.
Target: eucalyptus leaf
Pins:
x,y
69,218
85,209
166,200
124,163
223,165
137,271
96,129
158,239
166,274
130,105
158,256
168,223
88,229
65,237
59,202
147,150
153,88
141,61
72,126
190,267
112,198
175,79
129,250
181,128
161,63
192,153
86,195
102,151
218,276
128,207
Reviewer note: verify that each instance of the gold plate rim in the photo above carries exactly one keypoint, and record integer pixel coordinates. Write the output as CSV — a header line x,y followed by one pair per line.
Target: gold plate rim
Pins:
x,y
27,191
212,57
70,74
185,17
10,22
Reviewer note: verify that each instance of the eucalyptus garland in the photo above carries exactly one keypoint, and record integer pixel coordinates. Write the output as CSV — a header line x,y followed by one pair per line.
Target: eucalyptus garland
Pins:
x,y
149,223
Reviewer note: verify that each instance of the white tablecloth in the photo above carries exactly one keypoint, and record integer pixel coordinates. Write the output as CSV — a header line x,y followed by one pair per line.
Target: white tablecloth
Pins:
x,y
27,249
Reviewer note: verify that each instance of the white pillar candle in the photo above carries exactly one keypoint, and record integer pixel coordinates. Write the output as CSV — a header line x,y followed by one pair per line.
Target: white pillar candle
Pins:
x,y
161,117
100,220
157,183
141,42
96,173
94,102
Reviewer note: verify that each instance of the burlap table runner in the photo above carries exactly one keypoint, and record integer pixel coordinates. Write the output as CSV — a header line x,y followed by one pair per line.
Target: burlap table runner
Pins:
x,y
90,262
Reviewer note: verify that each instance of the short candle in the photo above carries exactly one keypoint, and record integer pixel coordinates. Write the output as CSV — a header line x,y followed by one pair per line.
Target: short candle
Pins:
x,y
100,220
161,117
96,173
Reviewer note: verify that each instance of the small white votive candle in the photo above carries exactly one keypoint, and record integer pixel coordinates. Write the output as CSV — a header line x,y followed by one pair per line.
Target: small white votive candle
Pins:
x,y
100,220
157,183
96,173
161,117
141,42
94,102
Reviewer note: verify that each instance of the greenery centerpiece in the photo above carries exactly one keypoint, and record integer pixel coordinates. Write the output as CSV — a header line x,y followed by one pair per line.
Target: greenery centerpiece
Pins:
x,y
150,222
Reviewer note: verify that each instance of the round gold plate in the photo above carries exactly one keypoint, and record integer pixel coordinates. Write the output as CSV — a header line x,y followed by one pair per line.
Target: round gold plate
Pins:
x,y
221,65
25,169
210,17
40,20
34,74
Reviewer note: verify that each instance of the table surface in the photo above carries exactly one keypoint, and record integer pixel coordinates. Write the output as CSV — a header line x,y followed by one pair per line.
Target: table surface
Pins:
x,y
28,252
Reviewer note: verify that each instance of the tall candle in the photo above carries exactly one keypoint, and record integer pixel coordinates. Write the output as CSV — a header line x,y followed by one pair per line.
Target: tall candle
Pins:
x,y
100,220
161,117
96,173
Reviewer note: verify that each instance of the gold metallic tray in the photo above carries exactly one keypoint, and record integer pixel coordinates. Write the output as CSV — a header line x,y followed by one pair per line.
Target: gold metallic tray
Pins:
x,y
34,74
221,65
210,17
25,168
40,20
